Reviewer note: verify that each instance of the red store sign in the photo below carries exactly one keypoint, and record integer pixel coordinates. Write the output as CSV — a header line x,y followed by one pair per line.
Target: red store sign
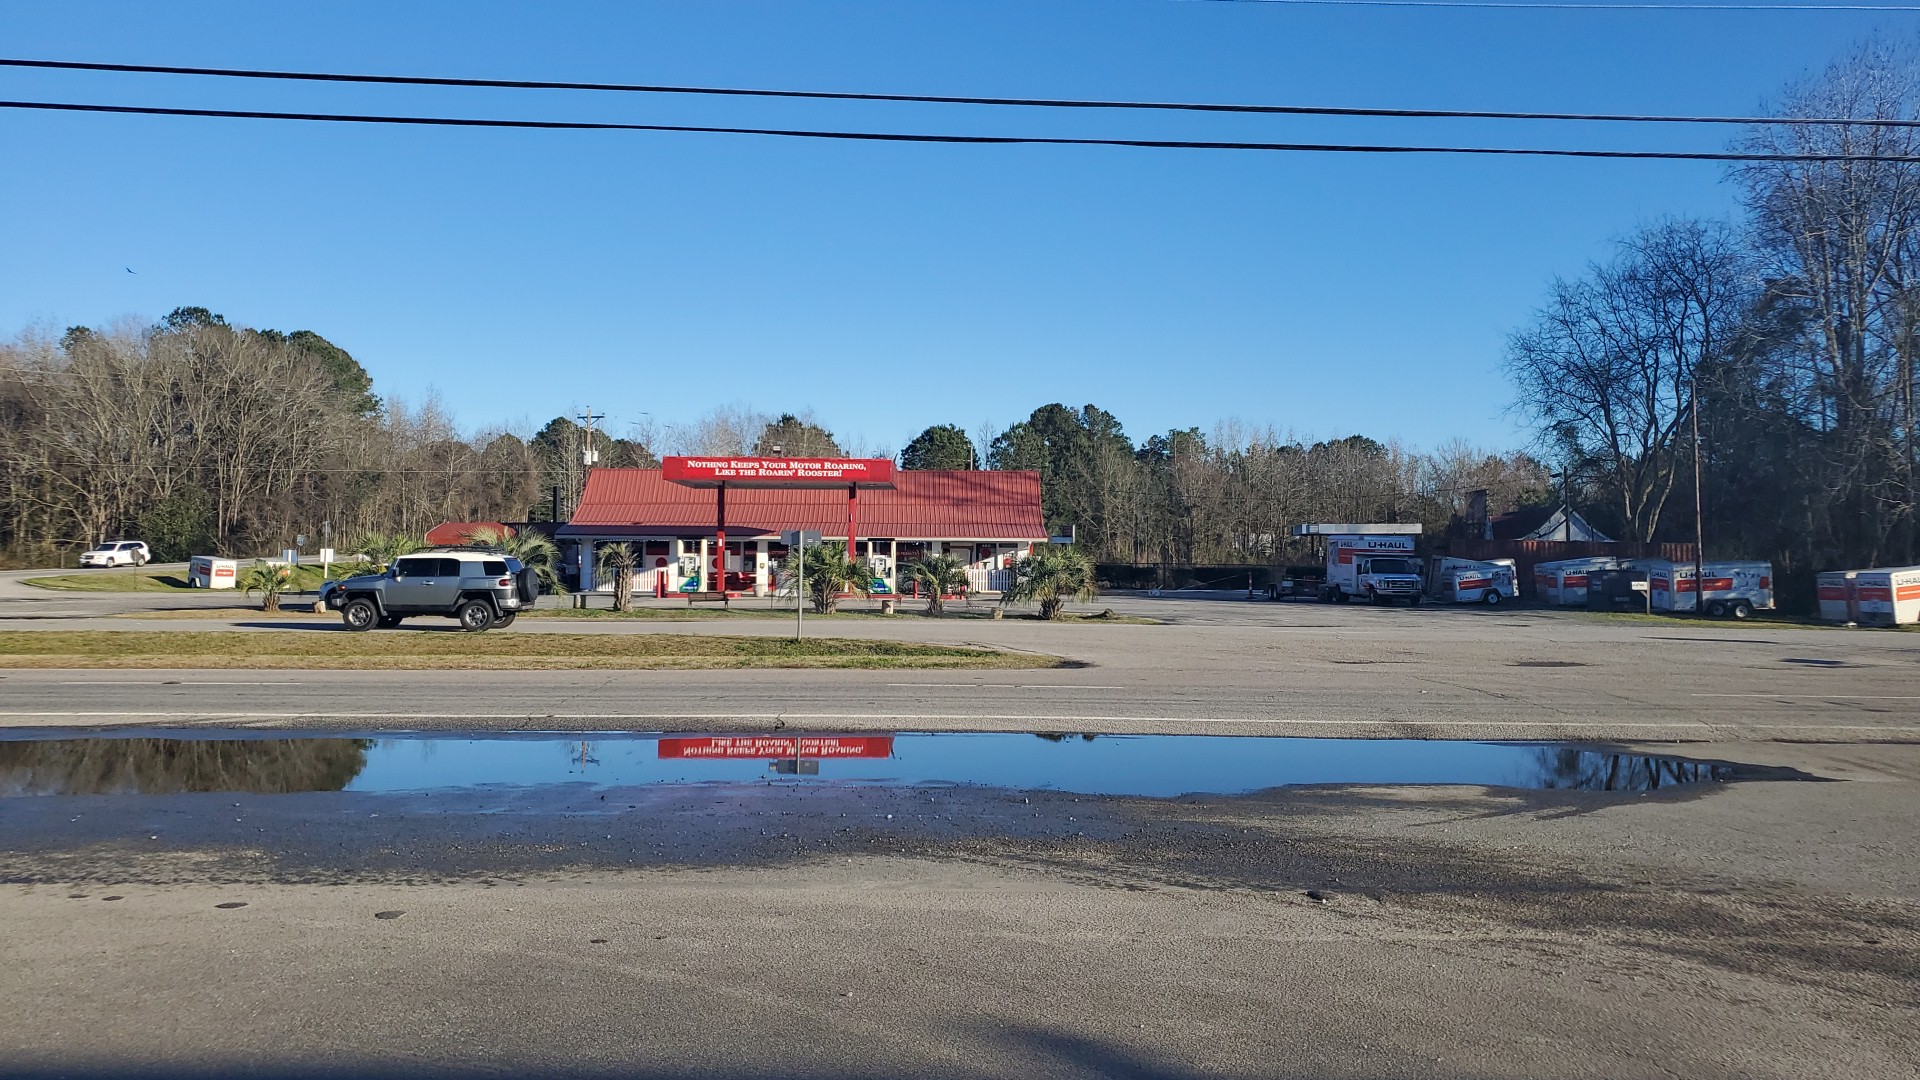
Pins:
x,y
773,747
778,472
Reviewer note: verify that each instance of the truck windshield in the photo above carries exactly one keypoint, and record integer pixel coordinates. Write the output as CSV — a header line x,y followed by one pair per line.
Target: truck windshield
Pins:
x,y
1390,566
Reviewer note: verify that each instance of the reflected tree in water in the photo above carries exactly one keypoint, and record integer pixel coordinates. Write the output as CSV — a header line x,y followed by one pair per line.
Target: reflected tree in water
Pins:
x,y
1568,769
175,766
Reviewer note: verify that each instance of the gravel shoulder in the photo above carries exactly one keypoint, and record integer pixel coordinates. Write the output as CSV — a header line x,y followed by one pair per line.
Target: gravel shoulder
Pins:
x,y
1760,930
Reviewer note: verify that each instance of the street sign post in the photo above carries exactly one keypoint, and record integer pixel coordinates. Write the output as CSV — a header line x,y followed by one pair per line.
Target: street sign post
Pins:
x,y
797,541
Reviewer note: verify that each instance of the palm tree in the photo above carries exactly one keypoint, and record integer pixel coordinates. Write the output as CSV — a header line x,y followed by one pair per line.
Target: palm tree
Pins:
x,y
619,561
267,579
1052,575
830,573
535,552
941,576
381,549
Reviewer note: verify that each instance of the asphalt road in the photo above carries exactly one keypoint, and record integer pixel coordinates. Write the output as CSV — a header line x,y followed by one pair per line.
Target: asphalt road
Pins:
x,y
1220,665
1757,929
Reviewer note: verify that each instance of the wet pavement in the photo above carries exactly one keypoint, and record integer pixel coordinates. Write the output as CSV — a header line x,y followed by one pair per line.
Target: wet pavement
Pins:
x,y
1101,765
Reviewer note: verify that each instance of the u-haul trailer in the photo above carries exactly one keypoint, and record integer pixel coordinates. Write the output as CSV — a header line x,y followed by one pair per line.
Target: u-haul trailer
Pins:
x,y
1834,590
1475,581
1373,562
1736,589
1887,597
1564,581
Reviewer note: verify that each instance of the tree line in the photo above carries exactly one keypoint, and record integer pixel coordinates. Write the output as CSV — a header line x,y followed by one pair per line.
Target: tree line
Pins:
x,y
1778,349
200,436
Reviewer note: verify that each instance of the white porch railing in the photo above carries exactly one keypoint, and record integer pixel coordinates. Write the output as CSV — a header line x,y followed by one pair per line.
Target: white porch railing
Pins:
x,y
989,580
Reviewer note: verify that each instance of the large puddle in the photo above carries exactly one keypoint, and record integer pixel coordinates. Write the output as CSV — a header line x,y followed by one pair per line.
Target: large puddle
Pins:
x,y
1146,765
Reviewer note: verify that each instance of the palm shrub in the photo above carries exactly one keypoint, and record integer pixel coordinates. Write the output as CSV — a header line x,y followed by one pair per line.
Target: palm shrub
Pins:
x,y
267,579
830,573
535,552
619,562
940,576
1051,576
381,549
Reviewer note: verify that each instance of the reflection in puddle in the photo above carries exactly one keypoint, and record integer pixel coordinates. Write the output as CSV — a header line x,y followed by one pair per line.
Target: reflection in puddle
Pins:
x,y
1148,765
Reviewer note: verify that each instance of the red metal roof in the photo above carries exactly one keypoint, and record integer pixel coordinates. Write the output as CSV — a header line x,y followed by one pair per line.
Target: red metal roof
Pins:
x,y
928,504
455,533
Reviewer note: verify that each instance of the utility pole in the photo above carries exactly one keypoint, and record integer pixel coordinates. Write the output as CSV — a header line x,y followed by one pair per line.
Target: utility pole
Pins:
x,y
1699,514
588,455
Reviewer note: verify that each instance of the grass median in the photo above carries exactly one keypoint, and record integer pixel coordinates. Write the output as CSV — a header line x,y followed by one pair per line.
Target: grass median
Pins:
x,y
444,650
305,579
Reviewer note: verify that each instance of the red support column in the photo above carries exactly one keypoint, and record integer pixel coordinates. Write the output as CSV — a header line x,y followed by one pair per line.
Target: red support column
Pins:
x,y
720,532
853,518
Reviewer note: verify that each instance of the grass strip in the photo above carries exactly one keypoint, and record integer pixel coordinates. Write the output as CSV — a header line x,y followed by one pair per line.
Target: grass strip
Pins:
x,y
451,649
708,612
305,579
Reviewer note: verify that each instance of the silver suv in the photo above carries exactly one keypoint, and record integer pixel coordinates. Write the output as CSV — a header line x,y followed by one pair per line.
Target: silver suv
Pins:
x,y
482,589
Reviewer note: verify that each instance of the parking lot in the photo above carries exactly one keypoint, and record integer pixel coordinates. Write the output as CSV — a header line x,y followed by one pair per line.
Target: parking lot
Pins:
x,y
1214,662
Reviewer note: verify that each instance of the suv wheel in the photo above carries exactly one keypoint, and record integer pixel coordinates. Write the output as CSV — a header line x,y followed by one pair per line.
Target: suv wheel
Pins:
x,y
505,620
360,614
475,616
388,622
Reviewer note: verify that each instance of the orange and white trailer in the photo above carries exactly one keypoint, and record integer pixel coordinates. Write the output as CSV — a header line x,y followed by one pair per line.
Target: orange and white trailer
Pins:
x,y
1564,581
1887,597
1735,589
1834,590
1475,581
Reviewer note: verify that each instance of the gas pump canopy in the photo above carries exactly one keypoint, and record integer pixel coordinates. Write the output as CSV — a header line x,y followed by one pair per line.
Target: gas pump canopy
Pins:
x,y
751,472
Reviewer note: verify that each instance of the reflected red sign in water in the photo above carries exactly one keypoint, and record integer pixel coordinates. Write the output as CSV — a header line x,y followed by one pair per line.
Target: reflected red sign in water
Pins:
x,y
720,747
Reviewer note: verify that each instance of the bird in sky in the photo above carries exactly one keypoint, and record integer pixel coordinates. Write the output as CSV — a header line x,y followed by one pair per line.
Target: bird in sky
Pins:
x,y
131,271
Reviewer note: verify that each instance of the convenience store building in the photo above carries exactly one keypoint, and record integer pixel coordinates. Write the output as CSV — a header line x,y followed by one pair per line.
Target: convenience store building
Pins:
x,y
676,519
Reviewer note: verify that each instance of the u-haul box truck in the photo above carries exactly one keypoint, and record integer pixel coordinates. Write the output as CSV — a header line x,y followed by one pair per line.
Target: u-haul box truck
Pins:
x,y
1564,581
1476,581
1835,592
1736,589
1372,562
1887,597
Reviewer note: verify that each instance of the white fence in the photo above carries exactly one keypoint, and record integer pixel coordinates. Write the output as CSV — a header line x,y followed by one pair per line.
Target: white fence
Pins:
x,y
989,580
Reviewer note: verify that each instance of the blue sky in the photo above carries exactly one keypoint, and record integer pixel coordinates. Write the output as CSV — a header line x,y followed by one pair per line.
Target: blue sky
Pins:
x,y
522,275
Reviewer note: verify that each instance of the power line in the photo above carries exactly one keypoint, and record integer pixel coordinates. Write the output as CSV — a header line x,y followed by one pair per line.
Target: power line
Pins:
x,y
964,140
936,99
1548,5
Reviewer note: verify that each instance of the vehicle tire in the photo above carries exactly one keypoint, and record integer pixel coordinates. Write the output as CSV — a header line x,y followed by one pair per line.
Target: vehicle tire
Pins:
x,y
526,585
1741,610
360,614
388,622
1414,600
1717,609
475,616
1341,596
505,620
139,560
1493,598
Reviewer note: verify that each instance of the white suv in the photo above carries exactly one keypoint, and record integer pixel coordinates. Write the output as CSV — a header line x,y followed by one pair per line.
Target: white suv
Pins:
x,y
117,553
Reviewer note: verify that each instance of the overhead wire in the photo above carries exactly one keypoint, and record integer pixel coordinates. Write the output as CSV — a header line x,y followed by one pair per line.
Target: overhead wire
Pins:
x,y
1549,5
965,140
933,99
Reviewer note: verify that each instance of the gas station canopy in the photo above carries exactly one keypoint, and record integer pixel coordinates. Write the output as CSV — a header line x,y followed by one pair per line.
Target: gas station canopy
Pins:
x,y
747,472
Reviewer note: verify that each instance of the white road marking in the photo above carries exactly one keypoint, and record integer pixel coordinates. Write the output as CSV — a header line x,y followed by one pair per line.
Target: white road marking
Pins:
x,y
1821,697
908,719
168,682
